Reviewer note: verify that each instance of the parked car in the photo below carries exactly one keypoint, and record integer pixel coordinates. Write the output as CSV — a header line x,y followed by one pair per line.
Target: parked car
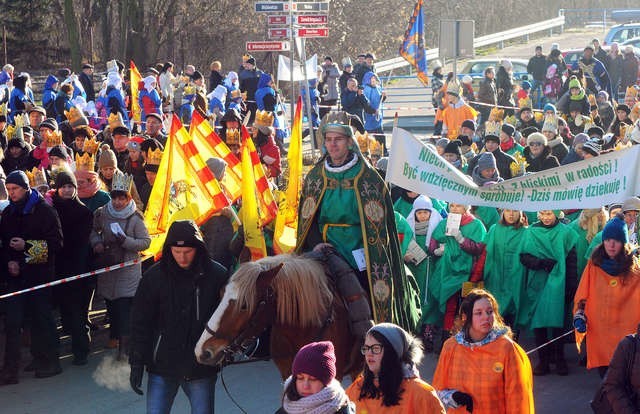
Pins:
x,y
475,68
622,32
635,42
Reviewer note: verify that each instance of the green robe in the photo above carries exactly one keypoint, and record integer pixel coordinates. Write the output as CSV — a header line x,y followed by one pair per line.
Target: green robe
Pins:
x,y
595,242
347,209
487,215
423,273
454,267
403,207
516,149
405,233
543,302
582,245
503,272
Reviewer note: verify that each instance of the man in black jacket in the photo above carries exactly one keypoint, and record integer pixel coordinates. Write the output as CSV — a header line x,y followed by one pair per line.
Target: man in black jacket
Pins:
x,y
172,305
31,238
86,79
537,67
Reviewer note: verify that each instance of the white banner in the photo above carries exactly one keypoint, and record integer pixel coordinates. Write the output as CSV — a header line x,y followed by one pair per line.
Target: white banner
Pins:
x,y
284,69
592,183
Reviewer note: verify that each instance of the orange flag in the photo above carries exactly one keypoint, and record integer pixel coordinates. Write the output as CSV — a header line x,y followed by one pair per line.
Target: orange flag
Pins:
x,y
253,236
135,79
284,236
210,145
266,200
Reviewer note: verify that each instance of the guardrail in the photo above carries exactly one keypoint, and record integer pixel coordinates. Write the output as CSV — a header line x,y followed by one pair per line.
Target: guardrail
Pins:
x,y
500,37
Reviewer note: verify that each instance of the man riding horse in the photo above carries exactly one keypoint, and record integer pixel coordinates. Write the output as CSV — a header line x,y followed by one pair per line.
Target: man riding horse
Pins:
x,y
345,203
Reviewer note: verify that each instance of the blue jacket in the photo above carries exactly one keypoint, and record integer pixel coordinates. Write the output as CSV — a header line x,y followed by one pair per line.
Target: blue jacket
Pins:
x,y
20,95
49,96
115,103
372,122
265,95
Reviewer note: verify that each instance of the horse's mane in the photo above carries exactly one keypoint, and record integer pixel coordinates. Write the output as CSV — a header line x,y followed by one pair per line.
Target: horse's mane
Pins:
x,y
302,291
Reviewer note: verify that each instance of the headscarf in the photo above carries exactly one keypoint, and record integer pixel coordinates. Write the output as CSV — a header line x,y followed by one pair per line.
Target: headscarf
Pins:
x,y
423,202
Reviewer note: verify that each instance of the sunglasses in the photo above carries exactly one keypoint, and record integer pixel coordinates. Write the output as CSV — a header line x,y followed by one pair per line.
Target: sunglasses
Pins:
x,y
375,349
535,144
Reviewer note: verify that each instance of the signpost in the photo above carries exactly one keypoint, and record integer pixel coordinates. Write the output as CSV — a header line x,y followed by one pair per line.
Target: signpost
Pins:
x,y
312,19
272,46
312,32
278,19
271,6
278,32
311,6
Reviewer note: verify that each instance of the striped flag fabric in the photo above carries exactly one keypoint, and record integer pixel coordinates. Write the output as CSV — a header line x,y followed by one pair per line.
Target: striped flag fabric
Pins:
x,y
253,236
135,78
267,204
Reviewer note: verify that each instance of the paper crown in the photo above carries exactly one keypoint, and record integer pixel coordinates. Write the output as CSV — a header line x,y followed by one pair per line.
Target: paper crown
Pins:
x,y
236,93
631,92
91,146
115,120
592,99
245,58
37,178
524,102
154,156
263,118
492,128
76,117
496,114
189,89
519,166
583,120
550,123
85,162
635,112
121,181
453,87
363,142
511,119
51,138
538,116
232,136
375,148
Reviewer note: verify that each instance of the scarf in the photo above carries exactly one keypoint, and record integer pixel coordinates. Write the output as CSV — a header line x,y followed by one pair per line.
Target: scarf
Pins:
x,y
124,213
611,267
25,205
93,185
481,181
326,401
506,146
422,227
457,163
556,141
464,339
351,161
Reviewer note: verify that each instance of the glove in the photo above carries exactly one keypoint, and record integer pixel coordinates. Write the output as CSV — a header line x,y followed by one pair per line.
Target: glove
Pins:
x,y
465,399
458,236
530,261
580,321
135,378
439,251
547,264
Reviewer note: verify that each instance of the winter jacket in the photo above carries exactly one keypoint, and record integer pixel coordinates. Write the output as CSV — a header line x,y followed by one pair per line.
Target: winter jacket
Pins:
x,y
487,92
355,104
330,77
558,149
76,221
373,121
618,379
87,85
172,307
20,97
537,66
218,232
215,79
504,86
120,283
115,103
62,104
24,161
344,78
249,82
49,96
542,162
265,95
629,70
503,161
37,223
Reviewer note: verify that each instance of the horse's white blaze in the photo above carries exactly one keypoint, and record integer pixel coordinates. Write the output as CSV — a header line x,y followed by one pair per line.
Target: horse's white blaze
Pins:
x,y
230,293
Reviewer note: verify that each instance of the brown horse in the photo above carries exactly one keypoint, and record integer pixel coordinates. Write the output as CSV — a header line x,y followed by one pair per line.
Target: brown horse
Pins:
x,y
294,296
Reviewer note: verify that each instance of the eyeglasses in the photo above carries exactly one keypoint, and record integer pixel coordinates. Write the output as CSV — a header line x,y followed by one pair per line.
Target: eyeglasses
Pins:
x,y
375,349
535,144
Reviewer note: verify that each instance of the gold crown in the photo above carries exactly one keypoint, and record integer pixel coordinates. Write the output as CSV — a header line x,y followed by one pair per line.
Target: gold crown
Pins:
x,y
37,178
511,119
524,102
51,138
189,89
236,93
74,115
263,118
232,137
91,146
115,120
631,92
375,148
550,123
583,120
85,162
635,112
245,58
492,128
519,166
592,99
121,181
363,142
154,156
496,114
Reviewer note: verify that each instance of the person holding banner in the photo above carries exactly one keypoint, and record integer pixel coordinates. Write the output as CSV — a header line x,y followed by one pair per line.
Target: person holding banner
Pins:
x,y
549,255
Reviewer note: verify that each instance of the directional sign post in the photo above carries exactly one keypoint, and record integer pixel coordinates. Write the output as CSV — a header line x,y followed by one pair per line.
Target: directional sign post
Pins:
x,y
271,6
279,19
273,46
278,32
312,19
312,32
311,6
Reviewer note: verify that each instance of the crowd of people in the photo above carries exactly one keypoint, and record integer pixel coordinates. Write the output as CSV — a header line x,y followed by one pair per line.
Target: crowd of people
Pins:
x,y
78,171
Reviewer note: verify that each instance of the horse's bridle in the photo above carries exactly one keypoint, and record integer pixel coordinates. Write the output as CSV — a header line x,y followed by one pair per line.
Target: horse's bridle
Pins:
x,y
263,313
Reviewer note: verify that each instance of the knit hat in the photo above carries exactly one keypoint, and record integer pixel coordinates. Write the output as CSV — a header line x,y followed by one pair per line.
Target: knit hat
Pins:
x,y
50,123
469,123
107,158
526,85
616,229
464,140
536,137
59,151
198,75
528,131
442,143
592,147
18,177
65,177
135,143
595,130
623,107
396,336
491,137
217,166
486,161
581,138
574,83
453,147
549,107
317,359
508,129
631,204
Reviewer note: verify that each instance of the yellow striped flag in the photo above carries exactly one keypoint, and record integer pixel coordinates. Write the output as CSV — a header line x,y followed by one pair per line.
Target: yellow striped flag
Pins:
x,y
210,145
266,200
135,79
253,236
284,237
184,188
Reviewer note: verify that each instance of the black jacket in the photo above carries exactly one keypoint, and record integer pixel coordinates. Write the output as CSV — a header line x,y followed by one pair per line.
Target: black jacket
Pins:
x,y
76,221
503,162
619,379
542,162
172,306
87,84
537,66
215,79
37,223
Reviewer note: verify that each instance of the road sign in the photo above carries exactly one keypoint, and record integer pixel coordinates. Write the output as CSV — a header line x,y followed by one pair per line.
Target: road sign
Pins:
x,y
273,46
305,19
277,32
312,32
277,19
311,6
271,6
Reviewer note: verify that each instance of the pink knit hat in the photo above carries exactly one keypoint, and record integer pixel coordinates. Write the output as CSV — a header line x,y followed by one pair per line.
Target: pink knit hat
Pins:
x,y
317,359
